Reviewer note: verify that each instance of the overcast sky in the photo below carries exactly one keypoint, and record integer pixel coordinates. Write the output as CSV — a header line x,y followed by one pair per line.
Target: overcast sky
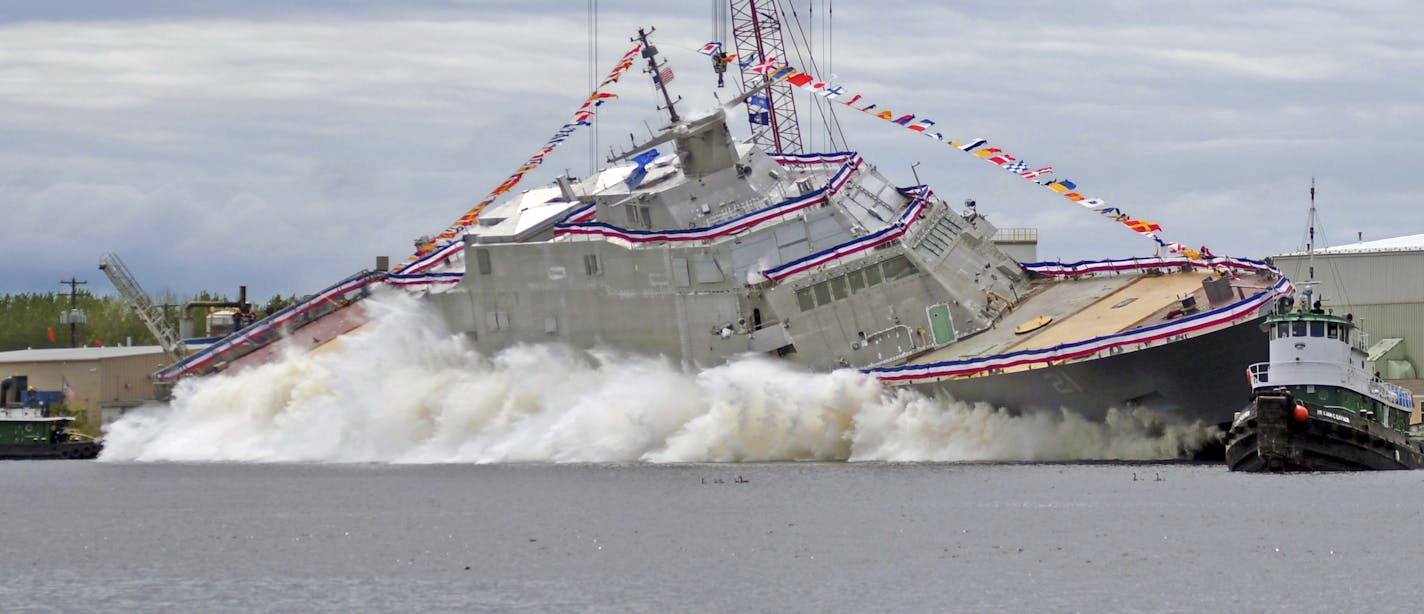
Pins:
x,y
284,145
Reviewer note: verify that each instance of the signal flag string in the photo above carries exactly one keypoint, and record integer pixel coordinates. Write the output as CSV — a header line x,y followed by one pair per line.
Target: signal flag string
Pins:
x,y
775,71
581,117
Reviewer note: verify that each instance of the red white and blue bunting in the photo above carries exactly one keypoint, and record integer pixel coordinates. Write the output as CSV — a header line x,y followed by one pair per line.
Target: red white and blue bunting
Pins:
x,y
1124,341
746,223
266,330
912,214
1084,267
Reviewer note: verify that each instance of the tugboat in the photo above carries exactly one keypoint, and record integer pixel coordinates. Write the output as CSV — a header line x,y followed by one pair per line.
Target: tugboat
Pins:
x,y
28,432
1314,406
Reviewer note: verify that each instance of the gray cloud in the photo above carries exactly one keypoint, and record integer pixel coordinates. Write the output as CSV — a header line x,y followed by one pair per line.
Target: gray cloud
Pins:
x,y
284,145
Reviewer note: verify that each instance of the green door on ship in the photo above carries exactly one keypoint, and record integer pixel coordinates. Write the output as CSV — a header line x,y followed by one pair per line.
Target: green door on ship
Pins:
x,y
940,323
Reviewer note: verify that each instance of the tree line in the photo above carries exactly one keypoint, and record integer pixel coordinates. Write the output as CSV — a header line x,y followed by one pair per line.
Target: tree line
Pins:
x,y
32,319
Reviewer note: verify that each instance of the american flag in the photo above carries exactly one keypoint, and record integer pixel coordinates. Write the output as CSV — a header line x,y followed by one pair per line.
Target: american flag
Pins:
x,y
665,75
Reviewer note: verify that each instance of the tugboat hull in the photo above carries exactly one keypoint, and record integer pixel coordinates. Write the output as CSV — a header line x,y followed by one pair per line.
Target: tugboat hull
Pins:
x,y
1278,433
66,449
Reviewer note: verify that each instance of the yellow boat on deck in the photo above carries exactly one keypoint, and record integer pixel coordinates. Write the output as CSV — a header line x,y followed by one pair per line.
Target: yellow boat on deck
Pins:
x,y
1033,325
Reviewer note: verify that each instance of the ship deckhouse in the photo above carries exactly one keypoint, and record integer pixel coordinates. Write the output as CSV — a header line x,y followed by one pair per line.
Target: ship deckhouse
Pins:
x,y
1321,358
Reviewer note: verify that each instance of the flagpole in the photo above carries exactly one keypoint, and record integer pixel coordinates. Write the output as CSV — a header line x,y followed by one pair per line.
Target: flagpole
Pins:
x,y
650,52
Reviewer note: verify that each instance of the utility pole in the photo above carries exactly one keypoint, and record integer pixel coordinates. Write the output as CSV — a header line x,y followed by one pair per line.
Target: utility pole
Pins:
x,y
74,318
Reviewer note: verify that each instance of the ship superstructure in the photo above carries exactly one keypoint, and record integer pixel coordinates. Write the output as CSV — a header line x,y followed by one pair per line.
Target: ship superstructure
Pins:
x,y
705,249
700,248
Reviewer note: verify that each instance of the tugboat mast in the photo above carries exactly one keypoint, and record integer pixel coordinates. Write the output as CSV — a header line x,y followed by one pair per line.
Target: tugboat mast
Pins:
x,y
1310,244
1307,287
650,52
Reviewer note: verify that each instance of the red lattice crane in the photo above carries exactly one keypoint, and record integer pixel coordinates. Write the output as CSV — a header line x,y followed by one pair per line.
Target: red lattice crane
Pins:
x,y
756,27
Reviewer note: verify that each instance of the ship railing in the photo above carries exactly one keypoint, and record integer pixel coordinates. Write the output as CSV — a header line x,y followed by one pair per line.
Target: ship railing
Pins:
x,y
274,327
1401,396
1259,376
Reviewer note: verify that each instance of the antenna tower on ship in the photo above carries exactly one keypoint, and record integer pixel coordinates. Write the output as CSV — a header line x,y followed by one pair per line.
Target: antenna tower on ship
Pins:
x,y
756,26
1310,244
661,75
1308,287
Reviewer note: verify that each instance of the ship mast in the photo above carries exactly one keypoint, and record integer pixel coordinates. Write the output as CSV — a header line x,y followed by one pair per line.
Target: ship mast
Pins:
x,y
1310,244
650,53
1308,288
756,26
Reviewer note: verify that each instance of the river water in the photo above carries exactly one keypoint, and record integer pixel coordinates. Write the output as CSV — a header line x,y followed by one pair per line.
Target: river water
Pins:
x,y
399,470
642,537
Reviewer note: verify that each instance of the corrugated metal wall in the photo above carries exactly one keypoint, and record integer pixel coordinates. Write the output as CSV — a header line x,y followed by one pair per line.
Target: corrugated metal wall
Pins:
x,y
1385,289
1368,279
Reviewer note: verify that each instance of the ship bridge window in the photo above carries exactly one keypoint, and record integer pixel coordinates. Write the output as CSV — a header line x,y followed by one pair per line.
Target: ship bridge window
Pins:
x,y
1298,329
1317,329
1332,331
854,282
805,300
1282,330
897,268
872,276
857,281
639,216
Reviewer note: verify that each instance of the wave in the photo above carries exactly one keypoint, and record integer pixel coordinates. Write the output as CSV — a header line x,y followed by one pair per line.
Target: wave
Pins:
x,y
403,389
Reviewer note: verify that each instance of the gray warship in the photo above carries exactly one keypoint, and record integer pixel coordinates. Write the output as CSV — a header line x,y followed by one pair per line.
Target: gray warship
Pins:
x,y
701,248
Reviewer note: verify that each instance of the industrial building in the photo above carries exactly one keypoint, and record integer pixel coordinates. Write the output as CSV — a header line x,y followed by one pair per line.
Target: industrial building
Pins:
x,y
1382,284
94,381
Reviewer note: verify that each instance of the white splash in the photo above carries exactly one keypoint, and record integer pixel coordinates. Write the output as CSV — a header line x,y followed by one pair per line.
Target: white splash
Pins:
x,y
403,389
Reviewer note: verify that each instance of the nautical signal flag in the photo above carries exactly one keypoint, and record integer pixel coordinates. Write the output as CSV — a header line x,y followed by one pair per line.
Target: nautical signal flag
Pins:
x,y
581,117
776,71
711,48
765,67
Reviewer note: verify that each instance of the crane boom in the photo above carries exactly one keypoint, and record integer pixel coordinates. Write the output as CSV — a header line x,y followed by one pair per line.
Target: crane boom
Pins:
x,y
137,300
756,26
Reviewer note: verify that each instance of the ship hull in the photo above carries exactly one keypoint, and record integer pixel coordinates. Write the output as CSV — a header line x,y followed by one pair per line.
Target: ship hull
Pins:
x,y
61,450
1271,436
1194,379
